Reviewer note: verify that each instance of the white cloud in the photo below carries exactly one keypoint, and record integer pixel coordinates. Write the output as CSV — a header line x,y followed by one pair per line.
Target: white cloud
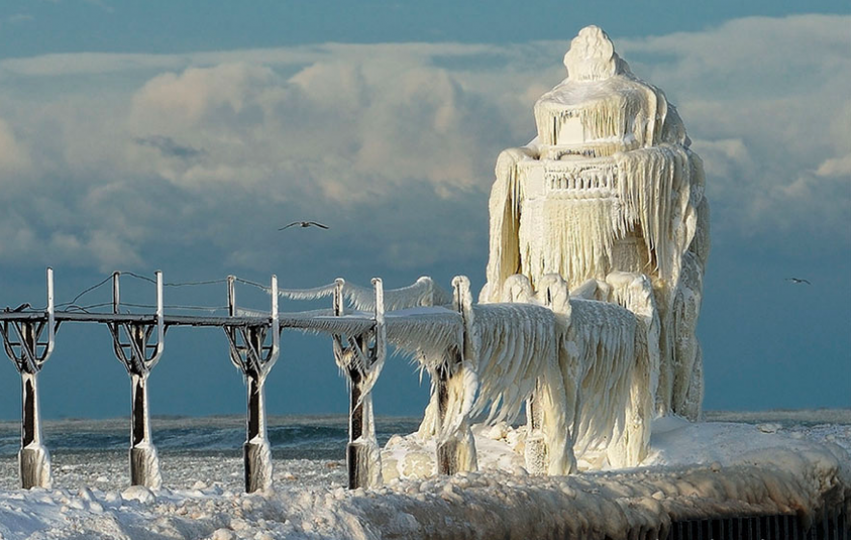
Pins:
x,y
170,102
781,88
135,153
13,157
840,166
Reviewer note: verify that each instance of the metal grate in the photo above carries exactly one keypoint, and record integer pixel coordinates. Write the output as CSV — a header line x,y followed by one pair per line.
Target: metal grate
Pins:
x,y
833,526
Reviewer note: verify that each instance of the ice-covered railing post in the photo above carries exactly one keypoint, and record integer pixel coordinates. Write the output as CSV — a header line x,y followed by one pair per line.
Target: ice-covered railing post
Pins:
x,y
361,359
535,452
29,353
536,448
554,295
456,449
131,342
251,355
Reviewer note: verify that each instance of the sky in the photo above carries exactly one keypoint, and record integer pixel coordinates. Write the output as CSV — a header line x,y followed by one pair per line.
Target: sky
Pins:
x,y
180,136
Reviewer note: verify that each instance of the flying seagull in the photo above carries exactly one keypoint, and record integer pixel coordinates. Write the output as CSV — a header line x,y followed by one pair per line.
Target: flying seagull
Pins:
x,y
798,280
304,224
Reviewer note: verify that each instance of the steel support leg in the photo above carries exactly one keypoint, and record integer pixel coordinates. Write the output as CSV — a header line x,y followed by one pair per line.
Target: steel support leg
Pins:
x,y
256,451
144,462
132,347
254,358
33,458
362,358
28,350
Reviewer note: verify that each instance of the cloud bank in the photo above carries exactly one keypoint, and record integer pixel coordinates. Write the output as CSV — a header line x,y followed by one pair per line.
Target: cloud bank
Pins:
x,y
111,160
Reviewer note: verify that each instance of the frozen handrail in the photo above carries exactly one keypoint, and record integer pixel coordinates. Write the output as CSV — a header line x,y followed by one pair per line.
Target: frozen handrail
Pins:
x,y
418,324
423,292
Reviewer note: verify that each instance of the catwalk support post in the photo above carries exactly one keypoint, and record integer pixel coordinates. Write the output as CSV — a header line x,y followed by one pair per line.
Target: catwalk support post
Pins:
x,y
456,448
29,349
535,454
251,354
361,358
132,345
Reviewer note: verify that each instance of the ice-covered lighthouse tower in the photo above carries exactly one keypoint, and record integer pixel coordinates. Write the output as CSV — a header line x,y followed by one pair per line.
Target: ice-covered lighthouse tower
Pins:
x,y
607,190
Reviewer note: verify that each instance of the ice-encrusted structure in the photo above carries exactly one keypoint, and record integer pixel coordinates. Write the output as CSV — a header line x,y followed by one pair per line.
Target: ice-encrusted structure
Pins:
x,y
598,243
582,366
609,197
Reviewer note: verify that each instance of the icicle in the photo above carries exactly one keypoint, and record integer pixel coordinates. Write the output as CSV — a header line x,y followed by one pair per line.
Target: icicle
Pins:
x,y
307,294
423,292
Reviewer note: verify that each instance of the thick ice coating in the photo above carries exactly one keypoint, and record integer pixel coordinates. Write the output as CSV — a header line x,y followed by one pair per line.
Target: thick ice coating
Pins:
x,y
609,190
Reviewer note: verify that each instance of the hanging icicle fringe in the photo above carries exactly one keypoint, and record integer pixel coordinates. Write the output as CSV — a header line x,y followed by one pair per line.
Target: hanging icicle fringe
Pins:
x,y
654,185
314,293
424,333
423,292
600,347
509,339
586,363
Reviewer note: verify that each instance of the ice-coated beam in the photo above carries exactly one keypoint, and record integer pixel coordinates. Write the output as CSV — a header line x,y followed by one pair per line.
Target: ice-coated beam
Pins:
x,y
456,448
33,458
536,447
144,463
357,459
256,452
363,458
447,450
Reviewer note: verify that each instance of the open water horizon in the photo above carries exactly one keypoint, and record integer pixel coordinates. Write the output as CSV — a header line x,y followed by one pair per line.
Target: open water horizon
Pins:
x,y
300,436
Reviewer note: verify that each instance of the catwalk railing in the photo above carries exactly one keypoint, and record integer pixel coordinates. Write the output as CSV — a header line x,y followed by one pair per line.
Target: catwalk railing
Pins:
x,y
359,342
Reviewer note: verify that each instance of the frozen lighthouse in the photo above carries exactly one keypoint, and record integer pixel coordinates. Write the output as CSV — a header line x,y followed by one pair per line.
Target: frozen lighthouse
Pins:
x,y
599,236
609,193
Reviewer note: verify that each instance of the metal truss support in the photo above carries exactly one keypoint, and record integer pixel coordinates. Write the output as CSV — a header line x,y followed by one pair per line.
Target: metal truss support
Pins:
x,y
131,342
361,358
456,448
251,354
28,348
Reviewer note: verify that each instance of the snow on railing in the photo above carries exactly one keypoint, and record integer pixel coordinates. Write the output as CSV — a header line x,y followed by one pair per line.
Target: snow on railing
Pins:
x,y
360,339
486,359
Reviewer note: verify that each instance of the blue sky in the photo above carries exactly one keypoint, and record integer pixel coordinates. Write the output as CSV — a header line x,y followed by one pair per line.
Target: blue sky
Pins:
x,y
180,135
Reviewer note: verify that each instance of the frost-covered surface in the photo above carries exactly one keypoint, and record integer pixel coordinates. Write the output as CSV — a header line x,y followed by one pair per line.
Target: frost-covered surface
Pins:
x,y
610,198
588,362
423,292
692,470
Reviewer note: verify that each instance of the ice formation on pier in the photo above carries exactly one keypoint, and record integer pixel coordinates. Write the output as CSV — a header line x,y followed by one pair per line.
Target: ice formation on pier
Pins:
x,y
610,197
598,241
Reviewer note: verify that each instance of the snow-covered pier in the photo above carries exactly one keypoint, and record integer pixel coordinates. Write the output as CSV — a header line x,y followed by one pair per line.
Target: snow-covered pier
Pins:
x,y
806,500
359,344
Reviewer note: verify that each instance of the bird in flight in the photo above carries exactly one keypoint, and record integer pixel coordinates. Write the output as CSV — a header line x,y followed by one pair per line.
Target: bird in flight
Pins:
x,y
798,280
304,224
